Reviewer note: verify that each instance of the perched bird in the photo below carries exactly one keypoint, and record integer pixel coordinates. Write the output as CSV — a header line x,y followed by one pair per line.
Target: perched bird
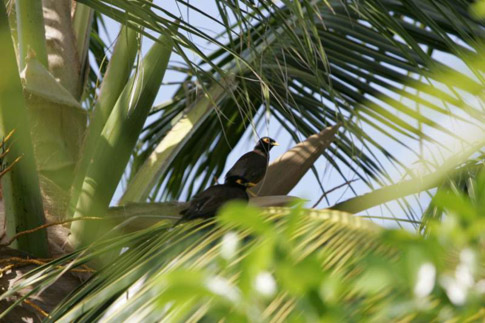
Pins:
x,y
208,202
252,165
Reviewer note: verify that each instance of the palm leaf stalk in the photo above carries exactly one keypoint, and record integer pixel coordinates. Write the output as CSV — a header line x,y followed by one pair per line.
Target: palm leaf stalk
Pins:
x,y
82,22
118,139
114,81
21,193
31,31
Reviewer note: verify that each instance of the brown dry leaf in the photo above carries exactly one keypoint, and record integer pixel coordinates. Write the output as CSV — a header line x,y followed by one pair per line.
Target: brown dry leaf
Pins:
x,y
13,265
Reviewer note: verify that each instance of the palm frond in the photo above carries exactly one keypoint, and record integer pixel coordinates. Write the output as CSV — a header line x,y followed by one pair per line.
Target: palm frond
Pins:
x,y
462,181
278,264
159,255
370,64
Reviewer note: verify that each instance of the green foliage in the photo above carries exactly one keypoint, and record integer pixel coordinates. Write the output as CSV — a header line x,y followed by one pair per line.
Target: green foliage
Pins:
x,y
286,264
461,182
211,270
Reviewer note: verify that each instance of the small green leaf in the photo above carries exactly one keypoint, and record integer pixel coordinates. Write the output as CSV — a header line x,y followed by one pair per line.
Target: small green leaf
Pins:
x,y
241,216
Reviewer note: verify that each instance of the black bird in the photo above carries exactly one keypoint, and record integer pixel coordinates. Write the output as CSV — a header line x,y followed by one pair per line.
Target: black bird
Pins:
x,y
207,203
252,165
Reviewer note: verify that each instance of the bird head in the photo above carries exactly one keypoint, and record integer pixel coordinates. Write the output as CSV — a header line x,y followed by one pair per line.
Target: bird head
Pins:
x,y
265,144
238,180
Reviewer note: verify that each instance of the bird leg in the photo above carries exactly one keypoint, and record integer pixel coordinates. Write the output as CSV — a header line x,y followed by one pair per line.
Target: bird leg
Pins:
x,y
251,193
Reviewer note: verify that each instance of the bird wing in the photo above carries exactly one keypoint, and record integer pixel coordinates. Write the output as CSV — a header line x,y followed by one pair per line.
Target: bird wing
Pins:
x,y
251,166
209,206
206,204
200,205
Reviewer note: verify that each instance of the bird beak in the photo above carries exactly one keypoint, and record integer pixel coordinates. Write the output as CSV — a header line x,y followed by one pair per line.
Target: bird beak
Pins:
x,y
275,144
251,184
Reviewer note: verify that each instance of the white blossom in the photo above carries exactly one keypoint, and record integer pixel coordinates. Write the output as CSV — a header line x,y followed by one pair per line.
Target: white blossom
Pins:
x,y
265,284
229,245
425,280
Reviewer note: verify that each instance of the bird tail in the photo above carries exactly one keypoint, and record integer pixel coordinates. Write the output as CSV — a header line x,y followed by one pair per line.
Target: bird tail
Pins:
x,y
178,222
182,219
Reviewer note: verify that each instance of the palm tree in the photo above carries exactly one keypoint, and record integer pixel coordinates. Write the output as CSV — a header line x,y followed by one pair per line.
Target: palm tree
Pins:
x,y
358,78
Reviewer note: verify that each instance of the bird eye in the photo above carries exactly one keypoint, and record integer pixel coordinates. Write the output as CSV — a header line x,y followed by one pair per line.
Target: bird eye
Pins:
x,y
266,140
239,181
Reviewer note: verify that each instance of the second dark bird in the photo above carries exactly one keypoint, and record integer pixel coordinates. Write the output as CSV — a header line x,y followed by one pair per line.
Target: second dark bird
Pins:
x,y
252,165
207,203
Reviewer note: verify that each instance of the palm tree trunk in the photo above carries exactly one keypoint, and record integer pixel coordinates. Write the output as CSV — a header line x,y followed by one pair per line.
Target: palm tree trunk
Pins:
x,y
62,52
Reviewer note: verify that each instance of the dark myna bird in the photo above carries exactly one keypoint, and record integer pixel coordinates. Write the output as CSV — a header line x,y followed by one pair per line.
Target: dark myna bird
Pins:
x,y
207,203
252,165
